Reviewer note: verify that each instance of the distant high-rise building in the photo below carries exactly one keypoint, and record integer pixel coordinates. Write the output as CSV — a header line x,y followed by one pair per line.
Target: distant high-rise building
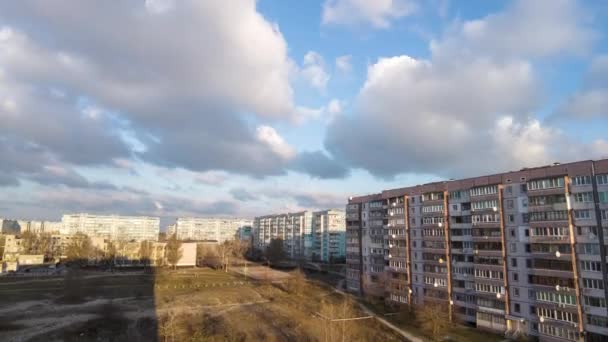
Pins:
x,y
520,252
306,235
208,228
114,227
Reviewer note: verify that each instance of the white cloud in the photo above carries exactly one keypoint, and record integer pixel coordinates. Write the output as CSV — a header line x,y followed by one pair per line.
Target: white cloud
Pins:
x,y
378,13
182,99
313,71
468,109
270,137
525,29
325,113
343,63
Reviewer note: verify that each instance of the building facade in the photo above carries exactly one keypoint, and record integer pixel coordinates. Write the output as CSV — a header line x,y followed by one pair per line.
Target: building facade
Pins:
x,y
209,228
516,253
113,227
329,235
306,235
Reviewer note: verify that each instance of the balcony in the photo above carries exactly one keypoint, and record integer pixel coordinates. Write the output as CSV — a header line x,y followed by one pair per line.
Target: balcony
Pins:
x,y
548,207
550,238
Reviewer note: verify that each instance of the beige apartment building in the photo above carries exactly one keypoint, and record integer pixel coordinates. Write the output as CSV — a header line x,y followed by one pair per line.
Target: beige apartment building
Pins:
x,y
520,252
113,227
208,228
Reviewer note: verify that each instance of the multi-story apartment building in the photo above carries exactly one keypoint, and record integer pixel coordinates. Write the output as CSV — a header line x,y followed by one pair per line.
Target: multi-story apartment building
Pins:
x,y
329,235
306,235
113,227
295,229
520,252
209,228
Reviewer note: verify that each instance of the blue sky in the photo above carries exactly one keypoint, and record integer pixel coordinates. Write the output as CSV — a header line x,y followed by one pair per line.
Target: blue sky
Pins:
x,y
243,107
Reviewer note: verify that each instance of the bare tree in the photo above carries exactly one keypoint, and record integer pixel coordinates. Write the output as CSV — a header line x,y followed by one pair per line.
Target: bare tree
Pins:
x,y
173,250
80,249
275,251
225,250
145,252
433,318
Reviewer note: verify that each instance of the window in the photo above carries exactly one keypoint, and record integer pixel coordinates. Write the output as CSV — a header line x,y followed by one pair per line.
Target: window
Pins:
x,y
593,283
483,205
513,232
516,292
484,190
511,218
581,180
513,262
582,214
510,204
583,197
591,266
602,179
455,194
515,277
594,301
549,183
509,189
517,307
455,207
513,248
603,196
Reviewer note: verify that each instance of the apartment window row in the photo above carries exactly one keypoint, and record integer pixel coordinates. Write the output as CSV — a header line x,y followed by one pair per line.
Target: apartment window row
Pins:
x,y
396,211
433,232
561,215
581,180
460,232
558,331
550,281
549,231
487,218
461,219
583,197
488,274
432,220
548,183
435,269
483,260
432,196
437,282
588,248
432,257
481,205
558,298
594,301
557,315
398,298
433,244
396,264
591,266
463,270
490,303
593,283
582,214
598,321
602,179
456,194
484,190
488,317
488,288
536,201
550,248
376,269
433,209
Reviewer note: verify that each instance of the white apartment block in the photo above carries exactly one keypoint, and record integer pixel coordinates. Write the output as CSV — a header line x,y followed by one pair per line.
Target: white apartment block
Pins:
x,y
208,228
317,236
295,229
329,235
114,227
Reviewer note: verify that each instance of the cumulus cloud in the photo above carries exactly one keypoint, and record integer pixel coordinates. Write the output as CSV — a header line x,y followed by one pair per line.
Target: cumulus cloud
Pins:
x,y
179,98
313,71
269,136
325,113
378,14
344,64
526,28
318,165
468,108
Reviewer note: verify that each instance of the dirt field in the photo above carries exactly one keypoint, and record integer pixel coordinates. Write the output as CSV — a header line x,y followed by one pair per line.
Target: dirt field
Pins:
x,y
188,305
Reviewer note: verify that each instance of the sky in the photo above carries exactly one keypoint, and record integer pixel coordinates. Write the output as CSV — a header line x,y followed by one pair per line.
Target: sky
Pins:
x,y
245,108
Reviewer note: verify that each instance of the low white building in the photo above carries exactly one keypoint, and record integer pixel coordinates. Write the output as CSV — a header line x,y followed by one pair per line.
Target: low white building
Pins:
x,y
208,228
